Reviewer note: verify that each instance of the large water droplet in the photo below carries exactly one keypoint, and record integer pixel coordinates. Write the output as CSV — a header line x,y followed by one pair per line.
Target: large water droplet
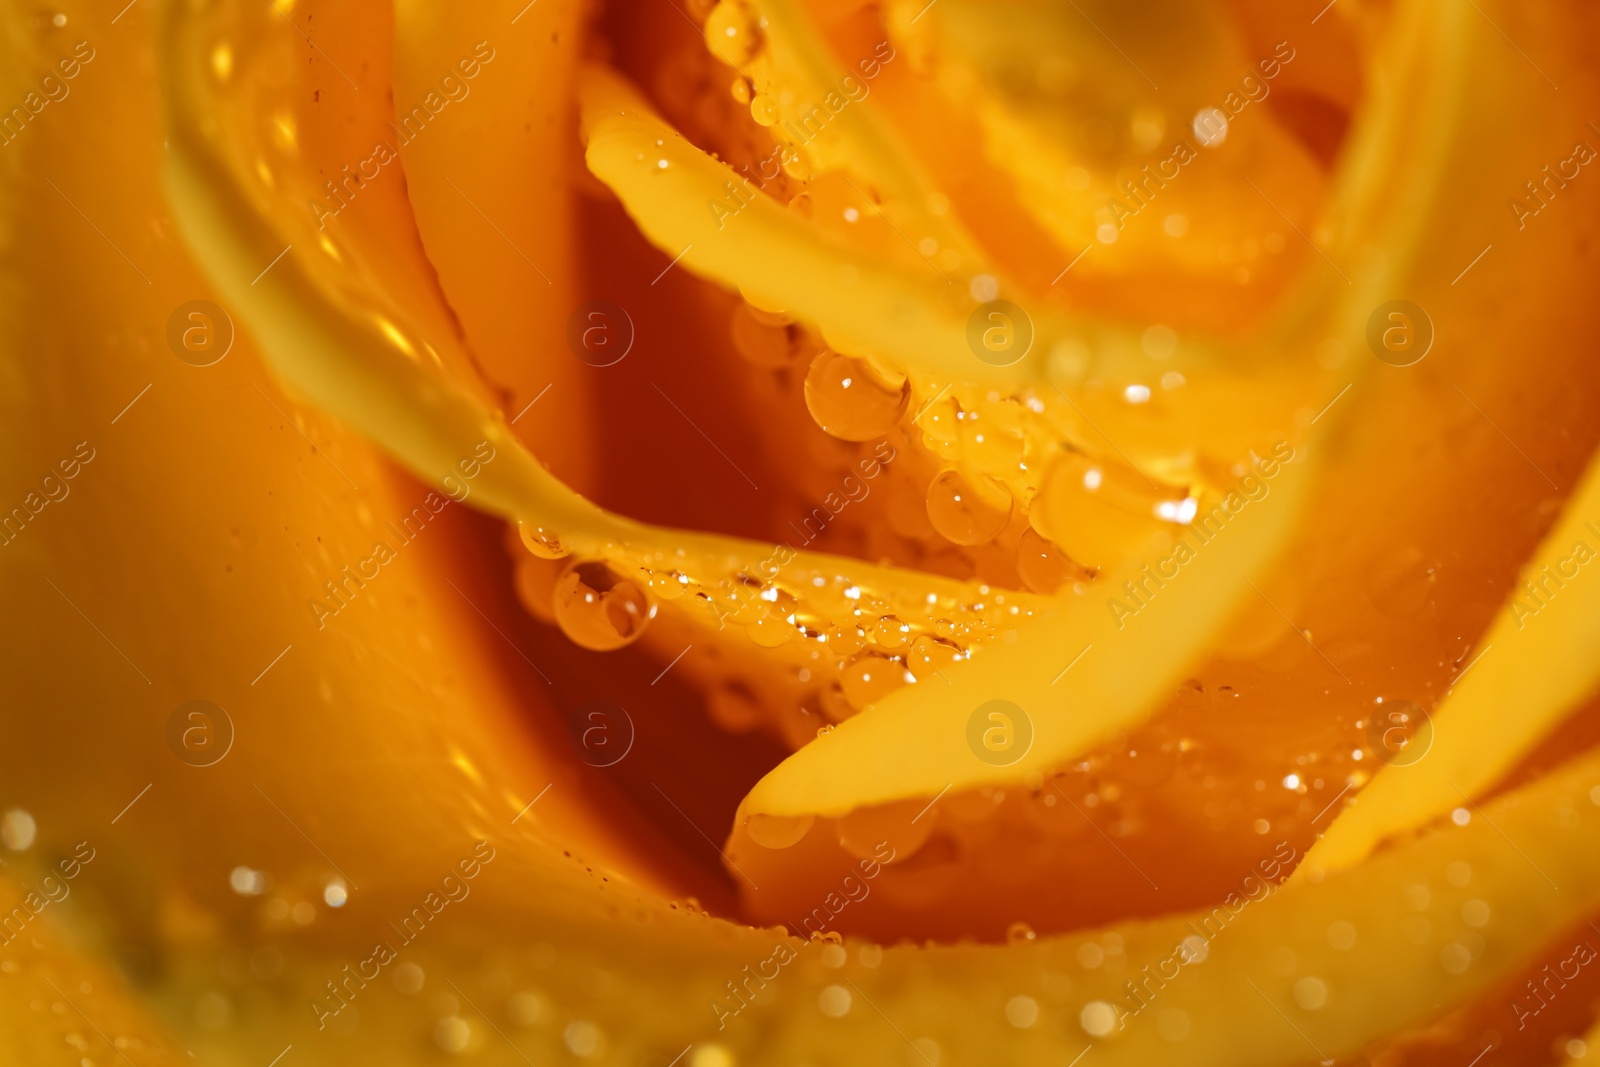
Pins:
x,y
968,511
777,831
599,609
849,400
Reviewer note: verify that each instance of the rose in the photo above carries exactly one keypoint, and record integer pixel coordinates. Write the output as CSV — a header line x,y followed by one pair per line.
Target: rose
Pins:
x,y
417,725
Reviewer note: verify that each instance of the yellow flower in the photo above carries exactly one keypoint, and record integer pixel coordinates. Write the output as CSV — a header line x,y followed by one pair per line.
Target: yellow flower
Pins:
x,y
440,628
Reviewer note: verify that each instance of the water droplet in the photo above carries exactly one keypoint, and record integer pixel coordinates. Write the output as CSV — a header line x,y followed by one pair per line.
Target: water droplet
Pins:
x,y
598,609
583,1037
730,34
850,400
869,678
1098,1018
212,1011
759,340
777,831
931,655
1042,566
1455,957
770,629
887,832
1019,933
1311,993
542,542
1100,513
966,511
836,707
834,1000
452,1033
845,640
408,978
526,1007
17,829
666,585
1022,1012
247,882
890,632
1211,126
1172,1024
763,111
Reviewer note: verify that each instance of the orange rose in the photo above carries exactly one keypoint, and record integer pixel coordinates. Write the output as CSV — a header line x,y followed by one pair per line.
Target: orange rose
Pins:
x,y
757,532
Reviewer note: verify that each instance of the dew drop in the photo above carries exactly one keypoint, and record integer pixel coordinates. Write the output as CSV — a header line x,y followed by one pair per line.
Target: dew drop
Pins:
x,y
526,1007
763,343
834,1000
1022,1012
777,831
598,609
836,707
1020,933
968,512
452,1034
1311,993
1098,1018
849,400
540,541
887,832
770,630
1099,513
17,829
869,678
763,111
845,640
730,34
583,1037
931,655
1042,566
890,632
